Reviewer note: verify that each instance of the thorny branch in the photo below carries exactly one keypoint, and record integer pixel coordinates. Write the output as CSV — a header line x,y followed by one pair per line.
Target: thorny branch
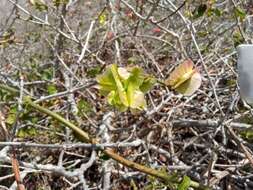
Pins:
x,y
59,51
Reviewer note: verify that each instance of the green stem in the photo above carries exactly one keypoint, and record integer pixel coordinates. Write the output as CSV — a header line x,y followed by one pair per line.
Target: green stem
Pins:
x,y
136,166
85,137
197,185
9,89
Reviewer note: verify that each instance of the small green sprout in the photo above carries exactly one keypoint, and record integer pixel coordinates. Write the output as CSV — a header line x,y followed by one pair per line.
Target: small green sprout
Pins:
x,y
125,88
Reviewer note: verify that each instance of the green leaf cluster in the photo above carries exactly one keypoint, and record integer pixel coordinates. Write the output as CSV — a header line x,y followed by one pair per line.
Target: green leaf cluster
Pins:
x,y
185,184
57,3
199,11
84,107
173,183
12,115
7,38
39,5
170,183
125,87
27,132
240,13
102,19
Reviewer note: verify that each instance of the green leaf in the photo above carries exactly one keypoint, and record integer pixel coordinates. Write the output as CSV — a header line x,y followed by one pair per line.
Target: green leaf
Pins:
x,y
132,60
7,37
199,11
51,89
114,100
123,73
57,3
125,87
248,135
92,72
180,74
102,19
39,5
135,97
185,79
133,185
104,157
237,38
214,12
137,76
138,102
47,74
185,184
34,120
27,132
191,85
111,97
106,82
83,106
147,84
240,13
11,118
217,12
120,89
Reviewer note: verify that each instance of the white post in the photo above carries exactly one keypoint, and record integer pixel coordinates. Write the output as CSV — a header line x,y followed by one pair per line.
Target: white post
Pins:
x,y
245,71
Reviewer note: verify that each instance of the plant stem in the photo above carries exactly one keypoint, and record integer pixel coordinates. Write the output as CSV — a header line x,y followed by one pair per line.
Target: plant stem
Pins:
x,y
197,185
137,166
85,137
9,89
